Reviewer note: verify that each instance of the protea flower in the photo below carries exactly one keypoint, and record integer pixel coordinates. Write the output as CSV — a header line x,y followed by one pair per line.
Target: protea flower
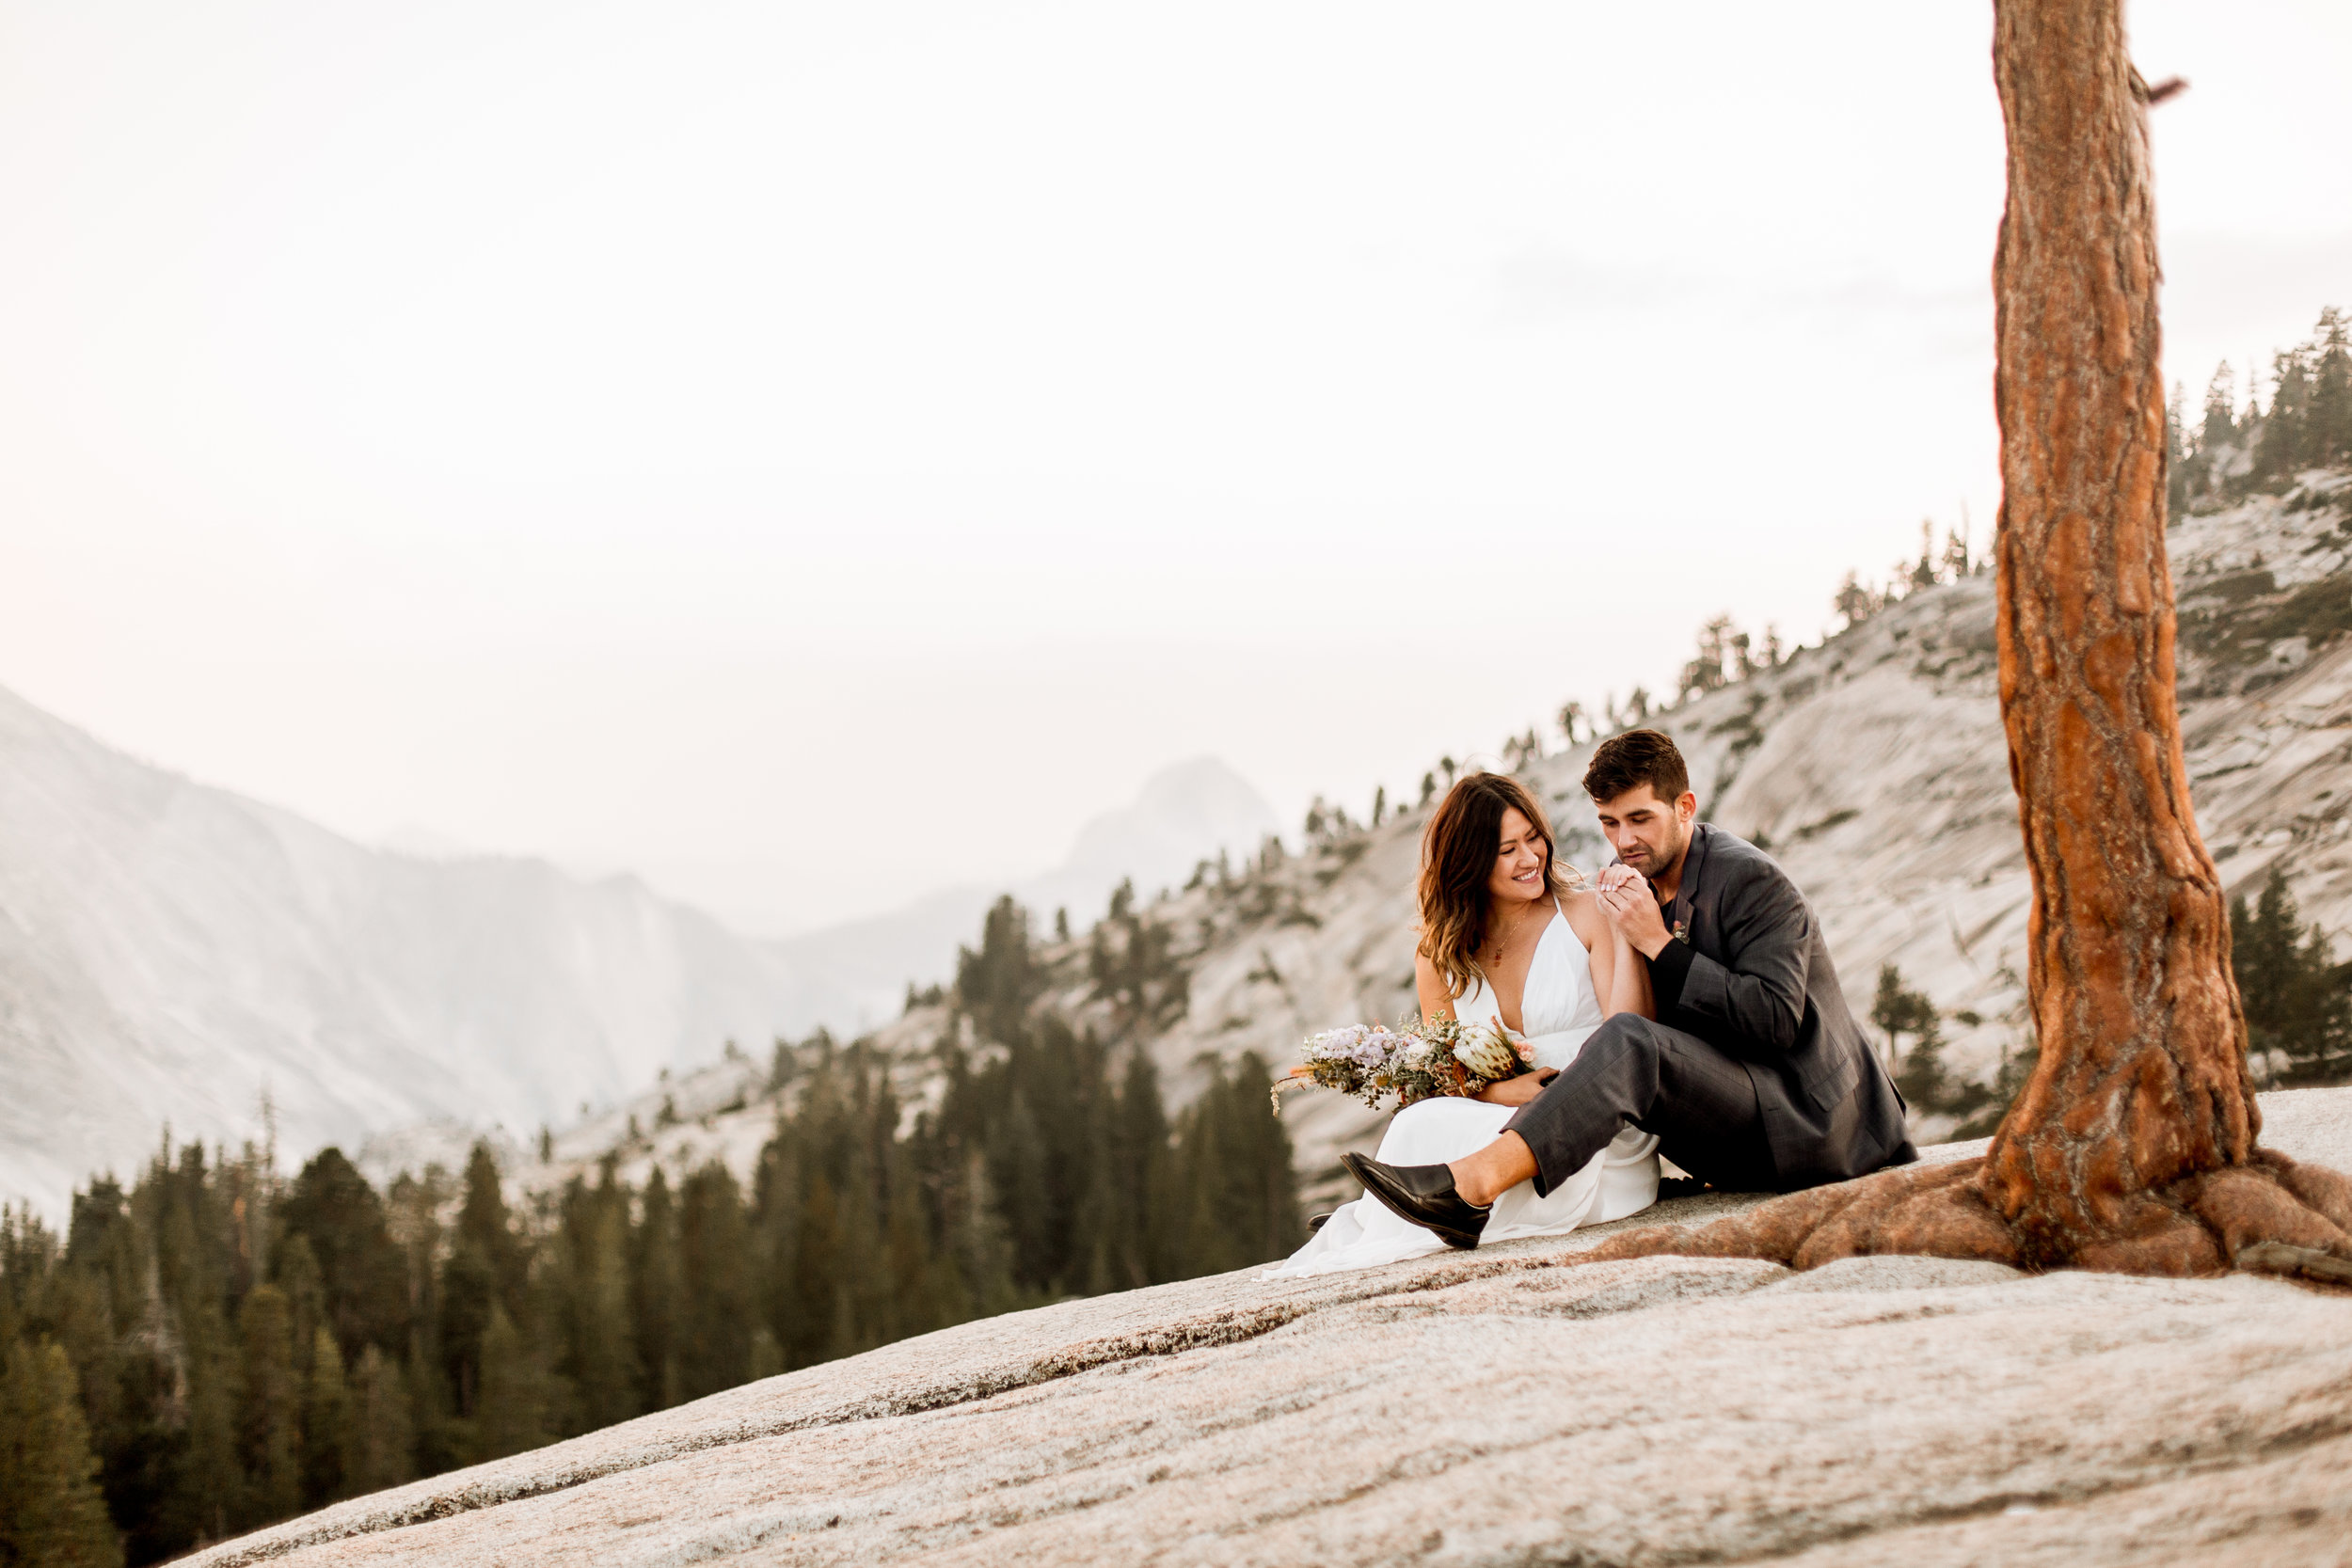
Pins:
x,y
1488,1055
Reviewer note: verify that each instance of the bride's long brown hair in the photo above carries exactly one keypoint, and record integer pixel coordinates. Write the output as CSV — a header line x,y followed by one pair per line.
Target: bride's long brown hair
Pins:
x,y
1458,861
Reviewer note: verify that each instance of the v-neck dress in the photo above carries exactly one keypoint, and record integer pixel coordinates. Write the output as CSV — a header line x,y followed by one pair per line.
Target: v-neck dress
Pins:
x,y
1560,1011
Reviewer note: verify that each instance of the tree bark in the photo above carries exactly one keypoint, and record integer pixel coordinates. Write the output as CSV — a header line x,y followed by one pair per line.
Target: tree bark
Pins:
x,y
2142,1077
2133,1147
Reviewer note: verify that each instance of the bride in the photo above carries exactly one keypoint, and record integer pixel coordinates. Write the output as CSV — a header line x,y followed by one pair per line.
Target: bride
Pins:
x,y
1508,935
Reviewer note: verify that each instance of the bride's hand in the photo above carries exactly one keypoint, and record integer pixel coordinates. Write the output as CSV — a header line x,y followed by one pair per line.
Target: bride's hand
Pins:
x,y
1516,1091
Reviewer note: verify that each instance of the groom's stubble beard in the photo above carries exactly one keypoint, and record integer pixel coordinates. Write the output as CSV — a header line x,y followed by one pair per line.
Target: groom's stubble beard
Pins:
x,y
1672,868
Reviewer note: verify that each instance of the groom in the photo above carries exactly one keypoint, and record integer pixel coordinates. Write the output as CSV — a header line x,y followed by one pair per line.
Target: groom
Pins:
x,y
1753,1076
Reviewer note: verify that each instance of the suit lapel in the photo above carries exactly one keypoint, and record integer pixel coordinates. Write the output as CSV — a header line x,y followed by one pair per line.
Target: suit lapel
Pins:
x,y
1685,912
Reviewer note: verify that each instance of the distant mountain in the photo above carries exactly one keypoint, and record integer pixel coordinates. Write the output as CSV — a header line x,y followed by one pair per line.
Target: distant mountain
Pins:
x,y
1185,814
169,951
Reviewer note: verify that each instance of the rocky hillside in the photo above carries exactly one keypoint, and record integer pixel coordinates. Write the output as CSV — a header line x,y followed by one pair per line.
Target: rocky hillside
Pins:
x,y
1505,1406
1873,765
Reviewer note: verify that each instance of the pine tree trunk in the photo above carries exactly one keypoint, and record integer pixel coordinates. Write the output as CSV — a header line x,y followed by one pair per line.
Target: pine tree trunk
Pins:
x,y
2142,1077
2134,1146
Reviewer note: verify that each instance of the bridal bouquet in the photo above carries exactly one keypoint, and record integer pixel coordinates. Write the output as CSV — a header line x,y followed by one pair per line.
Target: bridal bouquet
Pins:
x,y
1419,1060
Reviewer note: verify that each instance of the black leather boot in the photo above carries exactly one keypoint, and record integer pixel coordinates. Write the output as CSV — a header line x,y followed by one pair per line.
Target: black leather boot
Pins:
x,y
1422,1195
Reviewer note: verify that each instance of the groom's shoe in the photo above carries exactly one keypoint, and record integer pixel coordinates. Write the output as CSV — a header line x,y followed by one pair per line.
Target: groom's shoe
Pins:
x,y
1422,1195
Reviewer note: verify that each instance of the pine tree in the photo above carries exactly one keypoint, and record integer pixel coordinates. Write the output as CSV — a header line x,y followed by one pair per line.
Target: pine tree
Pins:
x,y
363,1274
1955,566
1853,602
413,1208
1207,1239
655,1294
295,1271
2283,446
116,1331
513,1410
1708,669
329,1436
485,1228
2220,427
714,1351
1899,1011
2299,1011
383,1448
212,1475
51,1509
980,1242
926,1289
2176,447
775,1217
1923,570
272,1417
781,1067
602,1350
2328,436
468,1293
1261,1149
1138,1177
996,984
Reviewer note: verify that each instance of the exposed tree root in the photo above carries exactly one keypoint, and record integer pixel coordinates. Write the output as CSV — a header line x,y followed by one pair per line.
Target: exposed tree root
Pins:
x,y
2133,1147
2271,1215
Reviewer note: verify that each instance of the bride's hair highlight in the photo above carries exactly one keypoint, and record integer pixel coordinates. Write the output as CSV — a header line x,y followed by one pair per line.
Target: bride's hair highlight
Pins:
x,y
1458,861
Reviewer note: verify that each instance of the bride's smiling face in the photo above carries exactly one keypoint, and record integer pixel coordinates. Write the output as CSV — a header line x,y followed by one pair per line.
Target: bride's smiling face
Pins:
x,y
1519,860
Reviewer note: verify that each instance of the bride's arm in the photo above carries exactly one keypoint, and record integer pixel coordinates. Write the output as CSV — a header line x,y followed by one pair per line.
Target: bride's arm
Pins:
x,y
1620,976
1430,987
1630,990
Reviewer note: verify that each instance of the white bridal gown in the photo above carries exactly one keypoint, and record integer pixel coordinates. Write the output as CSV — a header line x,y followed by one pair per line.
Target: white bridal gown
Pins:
x,y
1560,1011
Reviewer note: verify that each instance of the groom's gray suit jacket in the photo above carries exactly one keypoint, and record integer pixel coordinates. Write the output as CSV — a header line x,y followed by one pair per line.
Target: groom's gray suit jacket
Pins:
x,y
1750,974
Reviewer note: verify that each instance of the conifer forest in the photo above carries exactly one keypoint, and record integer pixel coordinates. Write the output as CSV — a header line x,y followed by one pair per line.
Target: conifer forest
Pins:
x,y
215,1347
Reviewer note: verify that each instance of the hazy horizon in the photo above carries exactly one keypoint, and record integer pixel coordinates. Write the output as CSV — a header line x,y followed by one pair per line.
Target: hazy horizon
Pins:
x,y
859,448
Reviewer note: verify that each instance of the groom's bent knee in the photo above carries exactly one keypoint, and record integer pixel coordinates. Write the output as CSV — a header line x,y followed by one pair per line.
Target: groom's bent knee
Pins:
x,y
1627,1038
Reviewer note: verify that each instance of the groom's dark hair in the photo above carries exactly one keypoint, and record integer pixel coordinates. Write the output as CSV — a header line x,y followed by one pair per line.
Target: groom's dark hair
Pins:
x,y
1637,757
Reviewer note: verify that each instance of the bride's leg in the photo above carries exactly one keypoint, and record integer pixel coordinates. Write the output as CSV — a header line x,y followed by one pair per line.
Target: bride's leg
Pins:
x,y
1502,1164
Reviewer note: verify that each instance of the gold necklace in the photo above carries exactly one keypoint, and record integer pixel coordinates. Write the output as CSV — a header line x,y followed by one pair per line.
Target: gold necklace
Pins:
x,y
1500,943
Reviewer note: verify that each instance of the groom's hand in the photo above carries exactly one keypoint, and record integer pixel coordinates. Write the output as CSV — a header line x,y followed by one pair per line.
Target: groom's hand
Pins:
x,y
1633,910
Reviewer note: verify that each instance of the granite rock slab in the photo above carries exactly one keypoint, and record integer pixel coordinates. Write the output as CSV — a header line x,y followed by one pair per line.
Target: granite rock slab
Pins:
x,y
1512,1406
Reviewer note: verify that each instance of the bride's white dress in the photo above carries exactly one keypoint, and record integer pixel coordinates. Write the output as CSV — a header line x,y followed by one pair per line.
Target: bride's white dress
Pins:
x,y
1560,1011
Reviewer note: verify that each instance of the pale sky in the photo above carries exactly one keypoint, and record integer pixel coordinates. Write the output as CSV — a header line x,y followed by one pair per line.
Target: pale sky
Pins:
x,y
820,453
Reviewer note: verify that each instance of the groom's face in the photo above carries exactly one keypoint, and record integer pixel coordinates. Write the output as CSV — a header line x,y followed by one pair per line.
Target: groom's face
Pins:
x,y
1649,835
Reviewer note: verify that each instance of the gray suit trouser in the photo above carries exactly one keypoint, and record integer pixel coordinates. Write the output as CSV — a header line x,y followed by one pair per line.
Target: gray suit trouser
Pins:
x,y
1699,1101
